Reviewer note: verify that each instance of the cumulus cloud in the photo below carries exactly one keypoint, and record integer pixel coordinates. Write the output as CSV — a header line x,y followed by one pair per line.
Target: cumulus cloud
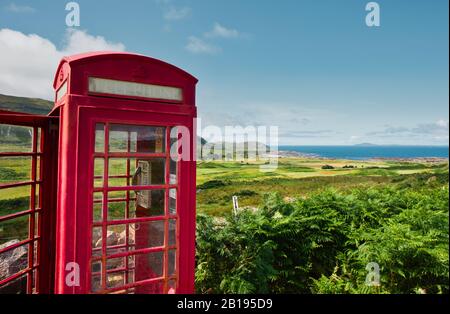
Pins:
x,y
203,43
29,61
222,32
15,8
198,45
174,13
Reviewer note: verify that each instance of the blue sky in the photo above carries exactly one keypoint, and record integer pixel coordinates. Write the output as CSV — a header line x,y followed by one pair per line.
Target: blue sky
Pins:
x,y
311,67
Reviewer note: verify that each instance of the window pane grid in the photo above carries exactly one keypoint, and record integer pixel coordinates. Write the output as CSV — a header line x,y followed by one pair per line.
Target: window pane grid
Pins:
x,y
20,226
142,196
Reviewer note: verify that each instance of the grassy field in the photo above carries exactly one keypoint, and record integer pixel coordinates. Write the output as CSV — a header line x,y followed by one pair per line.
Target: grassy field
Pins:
x,y
217,182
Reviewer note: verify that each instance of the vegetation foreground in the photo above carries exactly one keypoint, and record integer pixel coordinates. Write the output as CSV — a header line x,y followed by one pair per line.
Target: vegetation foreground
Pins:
x,y
319,234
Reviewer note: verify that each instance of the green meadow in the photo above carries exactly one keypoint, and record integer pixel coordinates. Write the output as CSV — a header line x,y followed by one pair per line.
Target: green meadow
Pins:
x,y
218,182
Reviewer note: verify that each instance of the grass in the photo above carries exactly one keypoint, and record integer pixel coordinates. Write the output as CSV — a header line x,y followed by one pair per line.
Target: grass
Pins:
x,y
297,177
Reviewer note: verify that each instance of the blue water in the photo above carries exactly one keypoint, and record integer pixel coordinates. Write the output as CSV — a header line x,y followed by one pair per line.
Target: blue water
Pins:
x,y
366,152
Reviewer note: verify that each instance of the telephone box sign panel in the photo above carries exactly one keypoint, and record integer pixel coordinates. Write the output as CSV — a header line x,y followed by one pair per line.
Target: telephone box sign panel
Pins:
x,y
115,87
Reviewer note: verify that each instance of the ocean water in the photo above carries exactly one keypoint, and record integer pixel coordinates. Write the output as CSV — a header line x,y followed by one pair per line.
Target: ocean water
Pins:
x,y
367,152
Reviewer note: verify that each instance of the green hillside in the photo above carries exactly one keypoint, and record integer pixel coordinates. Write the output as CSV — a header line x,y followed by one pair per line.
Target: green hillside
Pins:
x,y
28,105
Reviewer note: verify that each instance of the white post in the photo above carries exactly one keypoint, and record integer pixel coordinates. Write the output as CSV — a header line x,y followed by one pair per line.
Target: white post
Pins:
x,y
235,205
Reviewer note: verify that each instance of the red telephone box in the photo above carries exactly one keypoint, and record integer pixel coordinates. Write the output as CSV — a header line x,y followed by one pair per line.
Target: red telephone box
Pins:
x,y
125,200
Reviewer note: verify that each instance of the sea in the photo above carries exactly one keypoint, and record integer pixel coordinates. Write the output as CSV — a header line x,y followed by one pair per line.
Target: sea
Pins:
x,y
369,152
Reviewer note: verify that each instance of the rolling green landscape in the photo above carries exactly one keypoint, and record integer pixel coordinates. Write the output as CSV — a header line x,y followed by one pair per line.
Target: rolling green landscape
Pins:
x,y
304,229
217,182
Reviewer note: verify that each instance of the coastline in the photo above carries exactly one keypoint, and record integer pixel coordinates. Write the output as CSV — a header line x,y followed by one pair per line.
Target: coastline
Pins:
x,y
296,154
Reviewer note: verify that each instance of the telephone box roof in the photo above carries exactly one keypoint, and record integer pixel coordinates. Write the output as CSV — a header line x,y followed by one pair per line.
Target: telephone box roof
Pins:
x,y
91,56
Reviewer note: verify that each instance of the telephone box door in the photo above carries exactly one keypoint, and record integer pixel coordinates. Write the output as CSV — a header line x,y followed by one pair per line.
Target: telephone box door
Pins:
x,y
28,150
135,206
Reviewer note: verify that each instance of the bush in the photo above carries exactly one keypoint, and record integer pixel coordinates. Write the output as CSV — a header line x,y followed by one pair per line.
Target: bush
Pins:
x,y
322,244
212,184
327,167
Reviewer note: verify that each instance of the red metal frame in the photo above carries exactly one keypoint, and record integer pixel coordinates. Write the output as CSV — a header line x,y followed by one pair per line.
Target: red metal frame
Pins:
x,y
40,214
79,113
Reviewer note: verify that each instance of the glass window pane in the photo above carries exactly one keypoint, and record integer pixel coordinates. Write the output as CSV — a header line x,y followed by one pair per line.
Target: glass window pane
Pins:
x,y
117,210
38,168
96,283
149,265
118,172
96,267
141,172
38,140
14,230
96,276
117,195
147,234
97,207
14,200
172,201
150,172
173,155
115,263
15,138
141,139
99,166
173,171
172,232
13,261
149,203
115,280
116,235
36,226
99,138
172,262
17,286
37,194
97,239
15,169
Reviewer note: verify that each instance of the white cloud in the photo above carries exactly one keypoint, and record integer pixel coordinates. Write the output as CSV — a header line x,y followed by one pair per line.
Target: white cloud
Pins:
x,y
424,133
12,7
442,124
28,62
174,14
198,45
77,41
222,32
354,138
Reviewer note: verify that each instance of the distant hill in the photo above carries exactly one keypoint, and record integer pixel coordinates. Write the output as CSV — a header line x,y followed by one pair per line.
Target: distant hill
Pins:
x,y
23,104
219,150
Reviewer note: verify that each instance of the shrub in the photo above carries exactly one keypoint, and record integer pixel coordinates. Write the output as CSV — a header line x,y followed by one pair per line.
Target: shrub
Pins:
x,y
212,184
322,244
